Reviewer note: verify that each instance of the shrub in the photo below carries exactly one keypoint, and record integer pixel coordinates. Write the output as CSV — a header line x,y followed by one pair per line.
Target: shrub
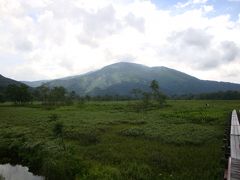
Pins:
x,y
62,166
134,132
53,117
102,173
136,171
84,138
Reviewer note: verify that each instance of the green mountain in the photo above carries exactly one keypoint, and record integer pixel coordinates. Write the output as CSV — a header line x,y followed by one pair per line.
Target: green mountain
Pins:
x,y
4,82
121,78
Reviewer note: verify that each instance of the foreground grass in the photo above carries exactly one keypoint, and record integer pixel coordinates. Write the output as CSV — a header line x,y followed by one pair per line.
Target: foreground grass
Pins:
x,y
109,140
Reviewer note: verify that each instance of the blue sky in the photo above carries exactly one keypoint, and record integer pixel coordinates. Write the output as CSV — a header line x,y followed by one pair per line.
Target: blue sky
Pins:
x,y
226,7
49,39
231,7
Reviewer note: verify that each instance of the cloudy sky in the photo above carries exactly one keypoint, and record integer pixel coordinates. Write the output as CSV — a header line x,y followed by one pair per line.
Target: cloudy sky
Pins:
x,y
48,39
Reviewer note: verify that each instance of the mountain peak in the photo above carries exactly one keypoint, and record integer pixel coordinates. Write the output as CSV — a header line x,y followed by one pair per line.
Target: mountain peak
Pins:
x,y
124,65
120,78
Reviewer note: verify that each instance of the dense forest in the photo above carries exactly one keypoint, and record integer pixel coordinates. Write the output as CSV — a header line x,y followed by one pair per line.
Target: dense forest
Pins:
x,y
220,95
21,94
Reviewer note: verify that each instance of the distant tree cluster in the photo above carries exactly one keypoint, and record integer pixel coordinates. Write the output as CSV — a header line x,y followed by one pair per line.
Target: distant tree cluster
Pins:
x,y
153,98
157,94
106,97
54,96
221,95
22,94
2,97
18,94
226,95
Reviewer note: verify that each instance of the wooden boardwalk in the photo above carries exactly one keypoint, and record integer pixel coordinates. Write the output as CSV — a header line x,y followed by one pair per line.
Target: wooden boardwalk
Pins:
x,y
234,159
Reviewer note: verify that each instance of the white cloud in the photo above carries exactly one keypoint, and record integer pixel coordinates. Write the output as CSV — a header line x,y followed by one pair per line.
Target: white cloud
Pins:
x,y
135,22
199,1
190,3
207,8
191,38
61,38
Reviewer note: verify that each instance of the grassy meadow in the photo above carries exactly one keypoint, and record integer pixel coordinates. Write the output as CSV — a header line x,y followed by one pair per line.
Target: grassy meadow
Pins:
x,y
111,140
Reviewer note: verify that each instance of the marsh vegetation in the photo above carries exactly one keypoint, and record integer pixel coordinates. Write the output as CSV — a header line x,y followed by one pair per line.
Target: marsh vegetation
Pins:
x,y
113,140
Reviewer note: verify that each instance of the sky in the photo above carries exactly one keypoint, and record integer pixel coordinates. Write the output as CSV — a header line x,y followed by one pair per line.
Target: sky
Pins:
x,y
48,39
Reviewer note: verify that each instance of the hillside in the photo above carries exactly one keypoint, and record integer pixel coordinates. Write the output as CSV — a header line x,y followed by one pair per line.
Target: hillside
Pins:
x,y
4,82
121,78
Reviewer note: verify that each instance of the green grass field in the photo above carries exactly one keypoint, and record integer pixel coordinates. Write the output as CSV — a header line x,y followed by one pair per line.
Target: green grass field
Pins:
x,y
109,140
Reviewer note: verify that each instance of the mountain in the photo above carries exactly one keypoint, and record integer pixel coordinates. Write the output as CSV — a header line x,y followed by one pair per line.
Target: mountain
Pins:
x,y
4,82
35,83
121,78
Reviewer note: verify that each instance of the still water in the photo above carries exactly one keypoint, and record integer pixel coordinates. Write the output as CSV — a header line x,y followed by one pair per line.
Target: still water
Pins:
x,y
17,172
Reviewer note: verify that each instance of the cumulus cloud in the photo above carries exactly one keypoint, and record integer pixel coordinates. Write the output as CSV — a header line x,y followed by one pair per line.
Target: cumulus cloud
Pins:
x,y
198,48
57,38
135,22
101,23
192,37
230,51
190,2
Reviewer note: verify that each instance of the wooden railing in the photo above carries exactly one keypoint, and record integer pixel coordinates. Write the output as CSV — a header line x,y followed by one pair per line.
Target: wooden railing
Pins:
x,y
233,172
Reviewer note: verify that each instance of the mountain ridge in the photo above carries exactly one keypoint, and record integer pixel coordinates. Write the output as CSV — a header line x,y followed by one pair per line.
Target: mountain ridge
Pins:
x,y
120,78
4,81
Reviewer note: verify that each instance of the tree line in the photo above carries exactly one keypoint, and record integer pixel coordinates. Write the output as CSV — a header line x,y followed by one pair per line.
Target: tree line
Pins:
x,y
220,95
22,94
227,95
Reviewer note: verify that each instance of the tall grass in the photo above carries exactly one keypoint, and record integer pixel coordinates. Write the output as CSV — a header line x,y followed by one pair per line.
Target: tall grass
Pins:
x,y
109,140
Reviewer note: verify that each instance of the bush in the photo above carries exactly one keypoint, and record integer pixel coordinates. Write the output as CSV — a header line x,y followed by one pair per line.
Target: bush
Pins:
x,y
84,138
62,167
134,132
102,173
81,102
182,134
136,171
133,122
53,117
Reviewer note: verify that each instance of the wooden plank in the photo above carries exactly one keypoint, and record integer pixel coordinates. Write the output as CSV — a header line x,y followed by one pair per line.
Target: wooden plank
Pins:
x,y
229,169
235,136
235,146
234,160
235,130
234,120
235,169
